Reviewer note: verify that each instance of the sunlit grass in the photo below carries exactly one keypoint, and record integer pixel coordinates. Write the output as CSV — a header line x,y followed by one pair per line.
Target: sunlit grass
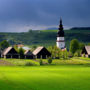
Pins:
x,y
45,78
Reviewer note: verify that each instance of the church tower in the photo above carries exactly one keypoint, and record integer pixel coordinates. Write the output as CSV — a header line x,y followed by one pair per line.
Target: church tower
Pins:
x,y
60,37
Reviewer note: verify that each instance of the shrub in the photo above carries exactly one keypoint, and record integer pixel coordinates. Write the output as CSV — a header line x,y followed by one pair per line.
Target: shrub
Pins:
x,y
70,55
49,60
29,64
76,54
41,62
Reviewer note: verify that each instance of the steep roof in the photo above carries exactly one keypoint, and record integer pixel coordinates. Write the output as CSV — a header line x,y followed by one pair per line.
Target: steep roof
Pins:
x,y
28,52
87,49
37,50
7,50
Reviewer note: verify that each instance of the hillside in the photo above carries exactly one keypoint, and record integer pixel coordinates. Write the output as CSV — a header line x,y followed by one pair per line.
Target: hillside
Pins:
x,y
45,37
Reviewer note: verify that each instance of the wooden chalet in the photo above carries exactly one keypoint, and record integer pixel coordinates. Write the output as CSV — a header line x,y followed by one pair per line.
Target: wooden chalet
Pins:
x,y
10,52
41,52
28,54
86,51
0,53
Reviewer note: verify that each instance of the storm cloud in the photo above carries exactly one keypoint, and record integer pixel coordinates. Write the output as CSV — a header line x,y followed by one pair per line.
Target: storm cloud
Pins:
x,y
22,15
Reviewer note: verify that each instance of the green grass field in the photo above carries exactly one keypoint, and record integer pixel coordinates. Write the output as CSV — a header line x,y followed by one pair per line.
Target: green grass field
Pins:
x,y
64,77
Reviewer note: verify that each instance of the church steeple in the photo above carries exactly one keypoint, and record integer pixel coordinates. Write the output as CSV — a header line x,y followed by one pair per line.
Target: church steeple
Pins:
x,y
60,36
61,31
60,26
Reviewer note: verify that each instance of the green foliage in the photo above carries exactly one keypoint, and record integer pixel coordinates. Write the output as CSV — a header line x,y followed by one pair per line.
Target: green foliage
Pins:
x,y
81,46
55,52
21,52
77,53
33,48
41,62
70,54
65,54
29,64
74,45
45,37
49,60
4,44
16,48
58,53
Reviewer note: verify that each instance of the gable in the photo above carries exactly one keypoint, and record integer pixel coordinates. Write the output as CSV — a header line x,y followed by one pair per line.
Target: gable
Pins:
x,y
29,53
44,51
84,51
12,51
87,49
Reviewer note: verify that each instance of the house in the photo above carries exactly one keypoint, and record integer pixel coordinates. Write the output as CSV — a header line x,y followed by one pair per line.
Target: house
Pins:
x,y
41,52
28,54
0,53
10,52
86,51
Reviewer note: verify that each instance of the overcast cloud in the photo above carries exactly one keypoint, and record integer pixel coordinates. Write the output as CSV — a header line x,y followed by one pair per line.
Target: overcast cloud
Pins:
x,y
22,15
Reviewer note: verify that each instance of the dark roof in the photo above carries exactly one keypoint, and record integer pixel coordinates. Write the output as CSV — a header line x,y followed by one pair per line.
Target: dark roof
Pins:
x,y
87,49
5,52
37,50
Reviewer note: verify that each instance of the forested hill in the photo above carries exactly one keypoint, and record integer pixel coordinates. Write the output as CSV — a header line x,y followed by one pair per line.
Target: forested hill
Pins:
x,y
80,28
45,37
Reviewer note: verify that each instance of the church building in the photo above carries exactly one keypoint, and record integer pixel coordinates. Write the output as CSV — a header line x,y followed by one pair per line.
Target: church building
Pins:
x,y
60,37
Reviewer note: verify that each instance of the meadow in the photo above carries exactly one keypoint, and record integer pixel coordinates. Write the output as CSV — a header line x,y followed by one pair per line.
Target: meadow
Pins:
x,y
64,77
73,74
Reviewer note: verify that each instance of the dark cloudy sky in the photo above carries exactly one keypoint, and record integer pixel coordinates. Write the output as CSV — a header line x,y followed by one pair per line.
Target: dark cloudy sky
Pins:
x,y
21,15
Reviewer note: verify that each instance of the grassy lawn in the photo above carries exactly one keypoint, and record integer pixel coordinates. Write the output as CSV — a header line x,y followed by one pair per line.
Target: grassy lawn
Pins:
x,y
64,77
30,62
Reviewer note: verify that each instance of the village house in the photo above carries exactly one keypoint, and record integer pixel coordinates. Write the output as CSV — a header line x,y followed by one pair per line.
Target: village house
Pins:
x,y
0,53
41,52
28,54
86,51
10,52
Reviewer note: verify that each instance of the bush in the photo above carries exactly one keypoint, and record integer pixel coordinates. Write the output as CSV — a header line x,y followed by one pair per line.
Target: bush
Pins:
x,y
70,55
49,60
76,54
41,62
29,64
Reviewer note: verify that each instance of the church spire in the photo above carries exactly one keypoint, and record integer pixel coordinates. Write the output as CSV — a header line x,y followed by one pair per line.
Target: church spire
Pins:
x,y
60,36
60,26
61,31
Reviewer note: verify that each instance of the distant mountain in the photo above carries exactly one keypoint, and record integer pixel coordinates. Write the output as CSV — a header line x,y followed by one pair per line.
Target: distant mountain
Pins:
x,y
80,28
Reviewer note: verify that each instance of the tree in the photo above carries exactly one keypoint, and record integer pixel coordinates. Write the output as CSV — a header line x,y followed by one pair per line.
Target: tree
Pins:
x,y
55,52
4,44
21,52
74,46
81,46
